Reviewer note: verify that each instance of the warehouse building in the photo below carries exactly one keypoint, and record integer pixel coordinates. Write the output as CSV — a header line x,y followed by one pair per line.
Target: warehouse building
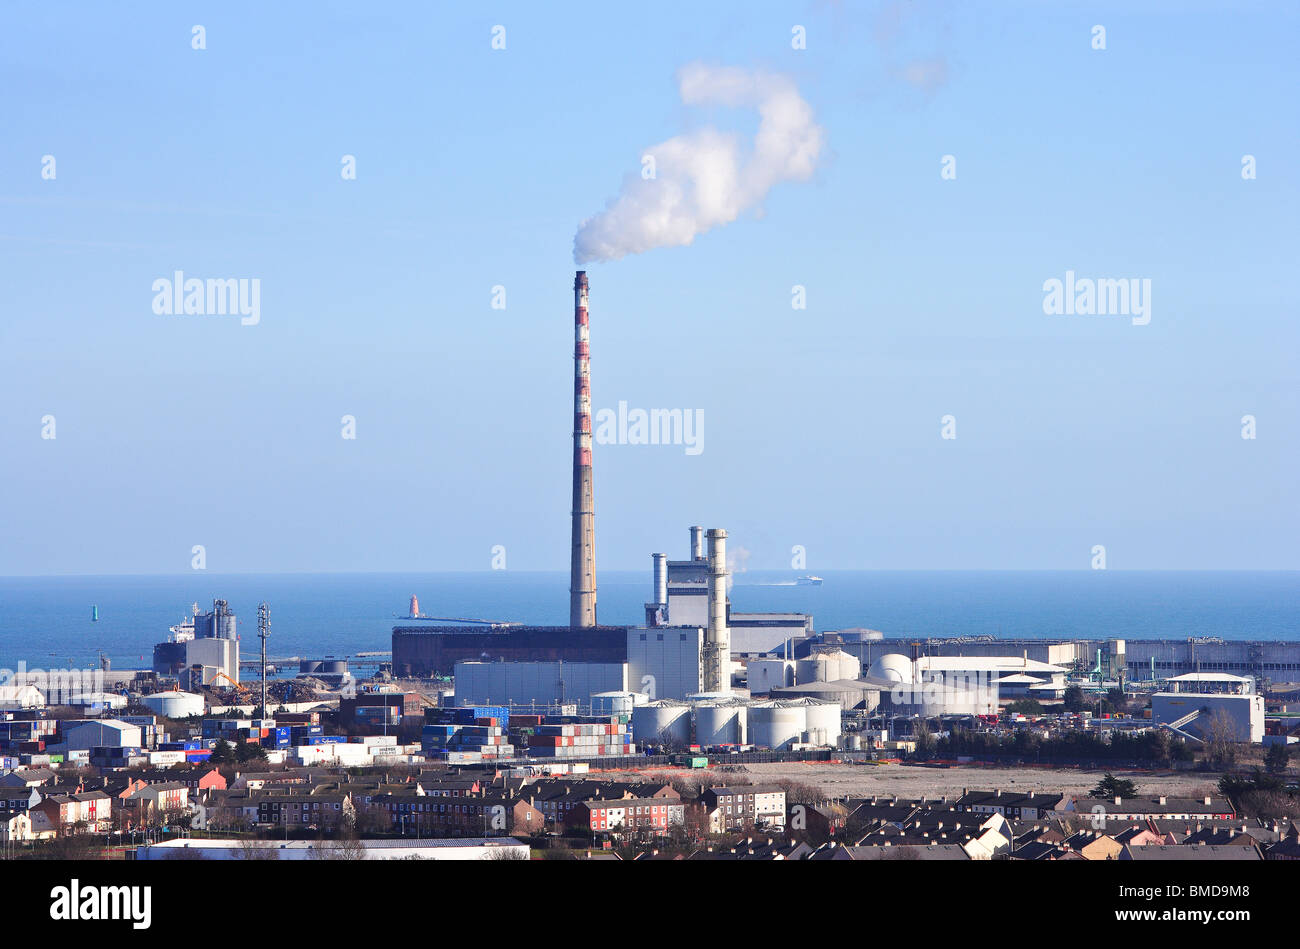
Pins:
x,y
536,683
101,733
424,651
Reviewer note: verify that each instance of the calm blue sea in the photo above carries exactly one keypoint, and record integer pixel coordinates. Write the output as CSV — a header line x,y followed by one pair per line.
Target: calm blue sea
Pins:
x,y
46,621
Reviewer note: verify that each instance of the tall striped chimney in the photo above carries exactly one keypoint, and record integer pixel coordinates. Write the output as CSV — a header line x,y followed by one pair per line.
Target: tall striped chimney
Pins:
x,y
582,571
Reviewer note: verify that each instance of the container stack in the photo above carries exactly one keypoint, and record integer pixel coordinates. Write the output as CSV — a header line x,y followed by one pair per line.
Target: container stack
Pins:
x,y
303,734
467,735
581,740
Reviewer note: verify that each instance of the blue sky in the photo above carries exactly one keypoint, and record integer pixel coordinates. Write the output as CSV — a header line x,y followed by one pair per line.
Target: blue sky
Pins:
x,y
474,168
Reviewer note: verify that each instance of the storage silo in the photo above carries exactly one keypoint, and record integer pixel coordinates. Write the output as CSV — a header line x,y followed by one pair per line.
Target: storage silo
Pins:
x,y
665,722
721,723
777,725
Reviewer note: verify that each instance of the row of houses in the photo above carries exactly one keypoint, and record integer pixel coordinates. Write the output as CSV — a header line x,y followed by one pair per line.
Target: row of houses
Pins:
x,y
39,803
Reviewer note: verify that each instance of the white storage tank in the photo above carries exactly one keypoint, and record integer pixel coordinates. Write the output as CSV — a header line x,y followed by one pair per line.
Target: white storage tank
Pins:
x,y
777,725
721,723
893,667
828,666
174,704
617,703
664,722
823,722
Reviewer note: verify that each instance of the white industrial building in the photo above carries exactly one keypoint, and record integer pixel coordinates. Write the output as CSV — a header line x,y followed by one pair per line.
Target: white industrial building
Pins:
x,y
211,659
764,675
1197,700
757,634
21,696
665,661
959,685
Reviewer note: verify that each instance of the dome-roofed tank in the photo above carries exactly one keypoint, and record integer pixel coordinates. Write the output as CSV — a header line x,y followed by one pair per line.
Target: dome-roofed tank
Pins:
x,y
893,667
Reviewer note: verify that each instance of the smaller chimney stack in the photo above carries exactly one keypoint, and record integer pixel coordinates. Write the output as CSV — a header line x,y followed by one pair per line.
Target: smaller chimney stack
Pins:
x,y
661,579
697,543
717,637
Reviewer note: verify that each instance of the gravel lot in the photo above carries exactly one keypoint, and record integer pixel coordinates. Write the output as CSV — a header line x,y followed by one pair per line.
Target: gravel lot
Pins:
x,y
849,780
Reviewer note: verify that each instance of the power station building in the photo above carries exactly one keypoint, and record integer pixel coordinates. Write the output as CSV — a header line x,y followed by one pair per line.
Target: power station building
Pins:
x,y
690,643
685,648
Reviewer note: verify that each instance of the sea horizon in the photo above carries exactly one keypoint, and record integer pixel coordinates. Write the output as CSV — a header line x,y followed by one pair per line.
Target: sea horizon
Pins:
x,y
49,619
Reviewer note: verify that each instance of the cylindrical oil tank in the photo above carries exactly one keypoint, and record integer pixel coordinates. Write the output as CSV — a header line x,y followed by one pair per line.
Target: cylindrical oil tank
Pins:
x,y
664,723
823,722
334,667
777,725
174,704
310,667
721,723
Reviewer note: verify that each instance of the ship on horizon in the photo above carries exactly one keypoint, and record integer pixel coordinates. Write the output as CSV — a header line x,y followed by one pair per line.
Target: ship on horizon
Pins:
x,y
809,581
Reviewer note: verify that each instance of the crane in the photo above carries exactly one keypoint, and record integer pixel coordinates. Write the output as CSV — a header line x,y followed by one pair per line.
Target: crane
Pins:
x,y
233,684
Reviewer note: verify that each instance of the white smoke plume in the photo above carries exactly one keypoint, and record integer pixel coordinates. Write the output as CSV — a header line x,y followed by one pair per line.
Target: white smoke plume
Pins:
x,y
703,179
737,563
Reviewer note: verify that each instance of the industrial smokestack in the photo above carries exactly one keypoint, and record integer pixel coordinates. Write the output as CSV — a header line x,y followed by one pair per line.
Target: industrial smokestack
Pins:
x,y
661,579
697,543
582,570
717,637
